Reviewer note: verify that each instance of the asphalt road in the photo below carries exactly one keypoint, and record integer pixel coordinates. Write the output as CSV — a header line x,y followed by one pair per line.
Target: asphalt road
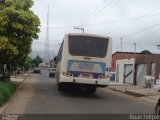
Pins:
x,y
38,94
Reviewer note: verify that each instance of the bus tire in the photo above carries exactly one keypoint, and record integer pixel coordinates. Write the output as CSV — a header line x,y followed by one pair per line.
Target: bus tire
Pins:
x,y
60,87
91,90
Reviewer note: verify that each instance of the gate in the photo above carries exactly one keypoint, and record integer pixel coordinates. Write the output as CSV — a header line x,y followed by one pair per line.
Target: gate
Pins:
x,y
141,72
128,73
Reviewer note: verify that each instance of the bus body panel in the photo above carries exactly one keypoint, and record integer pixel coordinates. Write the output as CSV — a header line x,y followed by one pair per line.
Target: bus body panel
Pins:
x,y
78,66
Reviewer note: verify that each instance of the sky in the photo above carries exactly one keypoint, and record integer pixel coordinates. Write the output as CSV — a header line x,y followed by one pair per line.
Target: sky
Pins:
x,y
134,22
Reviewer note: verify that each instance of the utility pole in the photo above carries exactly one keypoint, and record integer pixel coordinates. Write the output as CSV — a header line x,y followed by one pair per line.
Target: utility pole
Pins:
x,y
135,46
79,28
121,44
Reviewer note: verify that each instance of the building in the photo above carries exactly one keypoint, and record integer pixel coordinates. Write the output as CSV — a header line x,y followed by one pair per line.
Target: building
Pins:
x,y
124,55
132,71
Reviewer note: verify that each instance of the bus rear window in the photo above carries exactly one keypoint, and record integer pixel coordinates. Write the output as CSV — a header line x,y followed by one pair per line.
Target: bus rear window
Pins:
x,y
88,46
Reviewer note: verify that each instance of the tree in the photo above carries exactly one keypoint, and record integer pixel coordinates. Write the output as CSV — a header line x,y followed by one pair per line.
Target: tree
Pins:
x,y
19,26
28,63
36,61
25,64
146,52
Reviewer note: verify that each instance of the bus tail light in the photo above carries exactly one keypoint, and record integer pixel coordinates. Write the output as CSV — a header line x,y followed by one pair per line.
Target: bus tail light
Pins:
x,y
101,76
67,74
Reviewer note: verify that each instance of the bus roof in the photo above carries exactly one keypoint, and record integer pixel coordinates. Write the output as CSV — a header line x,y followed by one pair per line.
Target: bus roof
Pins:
x,y
88,34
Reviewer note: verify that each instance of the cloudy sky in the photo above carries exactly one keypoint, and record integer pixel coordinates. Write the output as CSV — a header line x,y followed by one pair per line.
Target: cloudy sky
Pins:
x,y
133,21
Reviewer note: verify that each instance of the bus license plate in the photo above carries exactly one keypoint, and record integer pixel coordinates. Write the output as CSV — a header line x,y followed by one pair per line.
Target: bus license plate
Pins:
x,y
86,75
86,66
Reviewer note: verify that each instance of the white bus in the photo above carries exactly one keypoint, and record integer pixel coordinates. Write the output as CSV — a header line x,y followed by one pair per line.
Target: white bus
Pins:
x,y
84,60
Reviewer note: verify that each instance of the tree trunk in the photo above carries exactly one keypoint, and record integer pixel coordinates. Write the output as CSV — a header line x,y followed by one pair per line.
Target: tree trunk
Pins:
x,y
9,71
15,69
4,76
3,72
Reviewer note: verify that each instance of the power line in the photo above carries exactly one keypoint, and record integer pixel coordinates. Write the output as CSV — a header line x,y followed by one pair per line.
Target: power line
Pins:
x,y
131,34
136,33
108,22
146,14
93,12
130,45
114,21
122,20
97,14
106,10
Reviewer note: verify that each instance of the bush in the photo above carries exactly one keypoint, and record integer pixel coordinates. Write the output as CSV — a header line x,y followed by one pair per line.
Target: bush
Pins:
x,y
6,90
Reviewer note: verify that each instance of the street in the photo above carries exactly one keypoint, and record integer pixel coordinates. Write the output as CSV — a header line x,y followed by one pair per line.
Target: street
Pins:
x,y
38,94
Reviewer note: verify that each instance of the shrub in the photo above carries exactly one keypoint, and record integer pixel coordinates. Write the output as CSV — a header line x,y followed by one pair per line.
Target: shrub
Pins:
x,y
6,90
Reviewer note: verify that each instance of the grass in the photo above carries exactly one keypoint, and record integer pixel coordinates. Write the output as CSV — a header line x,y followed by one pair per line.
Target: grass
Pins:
x,y
6,90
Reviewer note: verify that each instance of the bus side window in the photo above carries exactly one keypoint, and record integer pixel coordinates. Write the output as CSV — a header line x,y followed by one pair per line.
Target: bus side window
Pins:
x,y
60,53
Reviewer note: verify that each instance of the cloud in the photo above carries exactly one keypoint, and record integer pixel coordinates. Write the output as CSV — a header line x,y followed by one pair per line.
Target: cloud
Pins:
x,y
124,18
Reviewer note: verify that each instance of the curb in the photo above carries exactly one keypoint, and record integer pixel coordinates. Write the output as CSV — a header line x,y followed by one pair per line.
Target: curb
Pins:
x,y
151,98
130,93
134,93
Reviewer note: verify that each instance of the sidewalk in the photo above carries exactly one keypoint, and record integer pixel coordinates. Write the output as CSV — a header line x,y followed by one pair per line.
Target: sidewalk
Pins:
x,y
136,91
19,78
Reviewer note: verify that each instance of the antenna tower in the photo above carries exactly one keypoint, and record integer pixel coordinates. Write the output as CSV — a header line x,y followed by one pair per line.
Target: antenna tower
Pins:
x,y
46,49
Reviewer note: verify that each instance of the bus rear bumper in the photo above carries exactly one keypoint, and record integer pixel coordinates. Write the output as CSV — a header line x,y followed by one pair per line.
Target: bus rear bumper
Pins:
x,y
87,81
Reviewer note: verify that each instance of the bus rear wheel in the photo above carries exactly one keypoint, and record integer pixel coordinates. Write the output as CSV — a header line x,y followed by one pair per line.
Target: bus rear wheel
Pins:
x,y
61,87
91,89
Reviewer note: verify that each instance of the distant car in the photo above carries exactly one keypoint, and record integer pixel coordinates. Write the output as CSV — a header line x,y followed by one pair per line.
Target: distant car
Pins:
x,y
36,70
52,72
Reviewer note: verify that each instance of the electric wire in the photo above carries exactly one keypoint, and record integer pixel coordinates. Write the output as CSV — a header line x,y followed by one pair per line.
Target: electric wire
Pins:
x,y
104,12
93,12
146,14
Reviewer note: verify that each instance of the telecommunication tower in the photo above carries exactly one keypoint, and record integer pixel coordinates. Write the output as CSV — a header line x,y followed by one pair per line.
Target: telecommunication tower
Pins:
x,y
46,49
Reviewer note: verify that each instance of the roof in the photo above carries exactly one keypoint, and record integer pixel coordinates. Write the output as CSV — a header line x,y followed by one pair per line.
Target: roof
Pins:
x,y
133,53
117,52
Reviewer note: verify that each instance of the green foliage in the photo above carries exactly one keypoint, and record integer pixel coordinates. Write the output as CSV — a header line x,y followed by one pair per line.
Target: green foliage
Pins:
x,y
146,52
1,4
28,63
5,46
36,61
18,27
6,90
